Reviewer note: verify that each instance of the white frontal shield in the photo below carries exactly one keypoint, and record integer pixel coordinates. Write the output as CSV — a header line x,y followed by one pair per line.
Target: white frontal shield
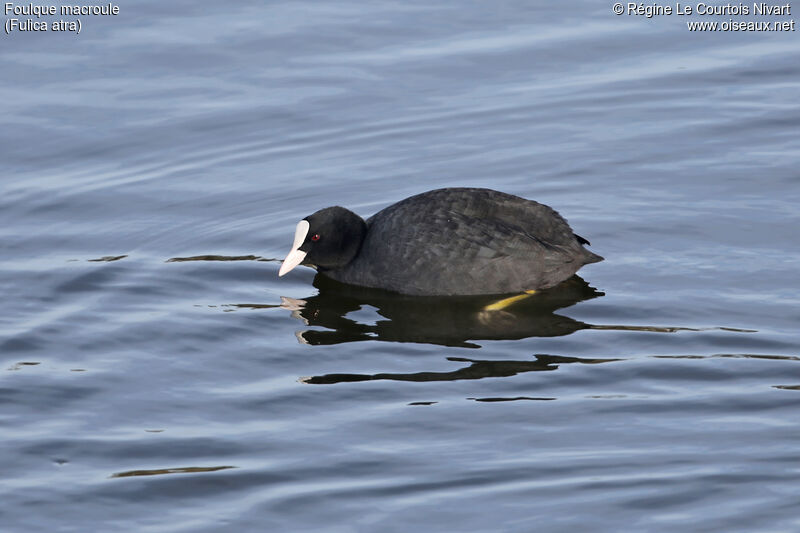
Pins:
x,y
295,256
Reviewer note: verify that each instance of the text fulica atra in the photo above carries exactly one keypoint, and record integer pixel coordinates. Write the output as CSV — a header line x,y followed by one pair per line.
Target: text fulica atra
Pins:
x,y
454,241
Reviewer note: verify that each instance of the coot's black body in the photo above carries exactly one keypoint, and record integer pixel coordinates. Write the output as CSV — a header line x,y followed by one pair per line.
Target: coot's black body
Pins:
x,y
454,241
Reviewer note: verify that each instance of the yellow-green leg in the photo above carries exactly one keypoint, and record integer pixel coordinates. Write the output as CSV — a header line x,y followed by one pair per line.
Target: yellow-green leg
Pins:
x,y
505,302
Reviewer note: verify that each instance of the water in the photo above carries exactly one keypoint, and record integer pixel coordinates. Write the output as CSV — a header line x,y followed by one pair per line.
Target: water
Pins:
x,y
143,394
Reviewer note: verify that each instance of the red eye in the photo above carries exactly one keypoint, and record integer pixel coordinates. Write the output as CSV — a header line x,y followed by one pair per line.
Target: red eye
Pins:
x,y
315,237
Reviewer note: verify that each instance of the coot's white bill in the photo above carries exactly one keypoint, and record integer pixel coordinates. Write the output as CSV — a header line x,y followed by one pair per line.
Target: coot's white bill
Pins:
x,y
295,256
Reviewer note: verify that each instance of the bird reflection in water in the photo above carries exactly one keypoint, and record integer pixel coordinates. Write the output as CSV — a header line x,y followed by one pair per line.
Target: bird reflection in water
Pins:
x,y
475,369
448,321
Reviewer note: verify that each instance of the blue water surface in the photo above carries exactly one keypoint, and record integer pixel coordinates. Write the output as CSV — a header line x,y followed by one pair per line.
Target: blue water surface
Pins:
x,y
157,376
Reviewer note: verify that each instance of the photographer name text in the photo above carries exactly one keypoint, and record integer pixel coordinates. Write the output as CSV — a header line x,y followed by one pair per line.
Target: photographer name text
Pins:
x,y
655,9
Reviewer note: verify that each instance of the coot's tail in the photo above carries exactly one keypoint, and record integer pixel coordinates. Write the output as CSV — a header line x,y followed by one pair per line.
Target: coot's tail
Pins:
x,y
588,256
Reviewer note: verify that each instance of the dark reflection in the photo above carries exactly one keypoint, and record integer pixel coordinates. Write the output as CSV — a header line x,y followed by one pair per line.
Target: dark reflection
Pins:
x,y
514,399
476,369
213,257
22,364
482,368
162,471
733,355
449,321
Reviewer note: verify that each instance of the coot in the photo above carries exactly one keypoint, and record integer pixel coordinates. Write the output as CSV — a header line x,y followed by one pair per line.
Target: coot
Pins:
x,y
455,241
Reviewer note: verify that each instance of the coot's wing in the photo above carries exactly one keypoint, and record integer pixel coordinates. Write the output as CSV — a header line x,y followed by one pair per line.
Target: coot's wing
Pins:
x,y
452,253
510,257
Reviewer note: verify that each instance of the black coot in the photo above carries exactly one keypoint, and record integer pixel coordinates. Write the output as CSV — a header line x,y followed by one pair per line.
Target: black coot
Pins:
x,y
454,241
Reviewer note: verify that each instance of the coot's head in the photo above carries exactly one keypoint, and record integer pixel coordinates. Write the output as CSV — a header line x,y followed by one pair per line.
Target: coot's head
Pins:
x,y
328,239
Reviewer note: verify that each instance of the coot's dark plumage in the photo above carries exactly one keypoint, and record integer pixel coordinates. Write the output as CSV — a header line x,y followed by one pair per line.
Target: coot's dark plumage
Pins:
x,y
443,242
